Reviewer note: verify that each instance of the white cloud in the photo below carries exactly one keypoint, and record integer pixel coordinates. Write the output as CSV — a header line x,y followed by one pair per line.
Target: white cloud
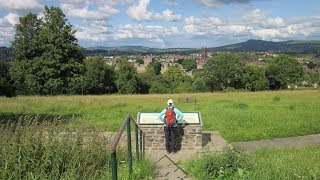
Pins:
x,y
254,25
140,12
97,31
101,13
257,17
155,34
219,3
170,2
20,5
7,30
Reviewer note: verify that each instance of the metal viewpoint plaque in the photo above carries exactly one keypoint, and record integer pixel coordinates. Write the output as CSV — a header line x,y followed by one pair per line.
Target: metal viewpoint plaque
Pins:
x,y
152,118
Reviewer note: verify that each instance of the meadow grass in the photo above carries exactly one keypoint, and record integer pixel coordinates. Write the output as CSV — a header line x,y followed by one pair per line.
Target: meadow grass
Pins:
x,y
292,163
45,151
238,116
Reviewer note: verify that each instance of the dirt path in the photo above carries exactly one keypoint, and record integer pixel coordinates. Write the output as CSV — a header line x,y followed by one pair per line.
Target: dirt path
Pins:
x,y
298,141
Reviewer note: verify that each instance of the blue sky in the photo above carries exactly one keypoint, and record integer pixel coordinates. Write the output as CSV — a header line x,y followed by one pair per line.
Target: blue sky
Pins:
x,y
174,23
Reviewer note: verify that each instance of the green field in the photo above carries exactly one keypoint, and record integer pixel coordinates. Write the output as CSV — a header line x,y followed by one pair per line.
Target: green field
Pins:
x,y
238,116
291,163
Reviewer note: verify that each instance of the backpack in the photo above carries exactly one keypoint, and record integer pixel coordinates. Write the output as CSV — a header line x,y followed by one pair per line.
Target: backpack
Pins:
x,y
170,117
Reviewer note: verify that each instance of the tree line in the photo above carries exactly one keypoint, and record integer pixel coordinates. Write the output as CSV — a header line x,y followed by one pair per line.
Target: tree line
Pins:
x,y
47,60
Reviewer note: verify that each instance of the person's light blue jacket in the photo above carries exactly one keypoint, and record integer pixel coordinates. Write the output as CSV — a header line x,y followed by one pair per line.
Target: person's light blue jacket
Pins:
x,y
176,110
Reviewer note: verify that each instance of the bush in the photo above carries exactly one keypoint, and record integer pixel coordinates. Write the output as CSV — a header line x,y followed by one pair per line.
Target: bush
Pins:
x,y
231,163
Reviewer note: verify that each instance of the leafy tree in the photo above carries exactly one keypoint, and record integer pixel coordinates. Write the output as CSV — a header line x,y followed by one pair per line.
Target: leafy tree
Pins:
x,y
99,77
282,71
174,75
127,78
140,61
26,43
177,82
47,58
189,64
254,78
156,67
224,70
6,87
160,85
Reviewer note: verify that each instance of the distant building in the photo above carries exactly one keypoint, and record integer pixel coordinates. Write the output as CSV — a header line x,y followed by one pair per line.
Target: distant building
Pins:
x,y
202,60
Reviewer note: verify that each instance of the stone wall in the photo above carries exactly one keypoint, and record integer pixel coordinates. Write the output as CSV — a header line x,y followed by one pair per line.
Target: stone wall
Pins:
x,y
190,137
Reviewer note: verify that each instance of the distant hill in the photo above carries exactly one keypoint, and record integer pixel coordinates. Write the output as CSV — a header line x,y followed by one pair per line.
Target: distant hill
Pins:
x,y
269,46
130,50
294,47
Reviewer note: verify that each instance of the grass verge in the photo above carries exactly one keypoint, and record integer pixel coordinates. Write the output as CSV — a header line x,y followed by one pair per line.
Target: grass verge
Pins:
x,y
292,163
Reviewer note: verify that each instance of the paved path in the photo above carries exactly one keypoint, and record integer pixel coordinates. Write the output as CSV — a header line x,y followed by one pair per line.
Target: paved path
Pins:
x,y
298,141
167,165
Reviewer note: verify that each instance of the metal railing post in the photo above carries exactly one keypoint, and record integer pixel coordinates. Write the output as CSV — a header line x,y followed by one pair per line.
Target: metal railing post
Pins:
x,y
139,152
137,142
129,147
114,166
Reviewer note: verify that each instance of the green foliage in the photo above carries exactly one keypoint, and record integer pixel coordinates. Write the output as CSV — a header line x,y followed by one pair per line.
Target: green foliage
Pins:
x,y
51,151
6,86
127,78
230,164
200,85
156,65
254,78
99,77
282,71
47,58
140,61
189,64
224,70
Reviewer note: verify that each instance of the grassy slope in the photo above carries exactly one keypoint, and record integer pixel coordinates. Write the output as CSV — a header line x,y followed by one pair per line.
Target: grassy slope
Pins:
x,y
291,163
238,116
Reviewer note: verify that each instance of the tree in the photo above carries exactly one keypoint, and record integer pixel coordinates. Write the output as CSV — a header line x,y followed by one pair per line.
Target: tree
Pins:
x,y
25,45
254,78
127,78
47,58
282,71
99,77
224,70
156,67
6,87
177,82
189,64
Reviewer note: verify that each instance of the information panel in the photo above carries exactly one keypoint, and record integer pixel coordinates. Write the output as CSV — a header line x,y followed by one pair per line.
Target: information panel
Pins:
x,y
152,118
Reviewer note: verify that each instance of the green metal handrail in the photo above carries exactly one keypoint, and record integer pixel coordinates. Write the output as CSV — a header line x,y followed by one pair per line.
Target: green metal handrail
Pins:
x,y
139,149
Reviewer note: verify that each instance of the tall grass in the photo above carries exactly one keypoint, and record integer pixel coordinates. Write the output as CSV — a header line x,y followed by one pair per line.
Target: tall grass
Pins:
x,y
238,116
41,151
293,163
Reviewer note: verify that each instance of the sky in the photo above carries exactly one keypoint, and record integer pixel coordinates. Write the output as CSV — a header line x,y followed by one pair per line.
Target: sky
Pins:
x,y
174,23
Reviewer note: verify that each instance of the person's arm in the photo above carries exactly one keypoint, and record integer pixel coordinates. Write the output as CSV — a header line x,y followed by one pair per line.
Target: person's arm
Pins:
x,y
161,114
179,113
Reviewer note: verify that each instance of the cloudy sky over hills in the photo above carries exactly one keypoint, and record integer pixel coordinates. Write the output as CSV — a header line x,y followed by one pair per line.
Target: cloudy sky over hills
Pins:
x,y
174,23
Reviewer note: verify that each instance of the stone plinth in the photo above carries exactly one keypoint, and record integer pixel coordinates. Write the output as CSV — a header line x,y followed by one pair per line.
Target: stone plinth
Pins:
x,y
189,134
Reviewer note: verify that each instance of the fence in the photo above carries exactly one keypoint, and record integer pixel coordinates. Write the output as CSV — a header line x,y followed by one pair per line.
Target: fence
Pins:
x,y
139,139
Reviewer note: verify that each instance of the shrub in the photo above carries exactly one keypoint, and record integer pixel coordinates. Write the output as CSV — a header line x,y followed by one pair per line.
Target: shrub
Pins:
x,y
231,163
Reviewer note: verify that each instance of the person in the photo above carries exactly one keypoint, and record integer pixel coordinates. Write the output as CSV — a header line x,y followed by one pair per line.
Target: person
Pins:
x,y
171,131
